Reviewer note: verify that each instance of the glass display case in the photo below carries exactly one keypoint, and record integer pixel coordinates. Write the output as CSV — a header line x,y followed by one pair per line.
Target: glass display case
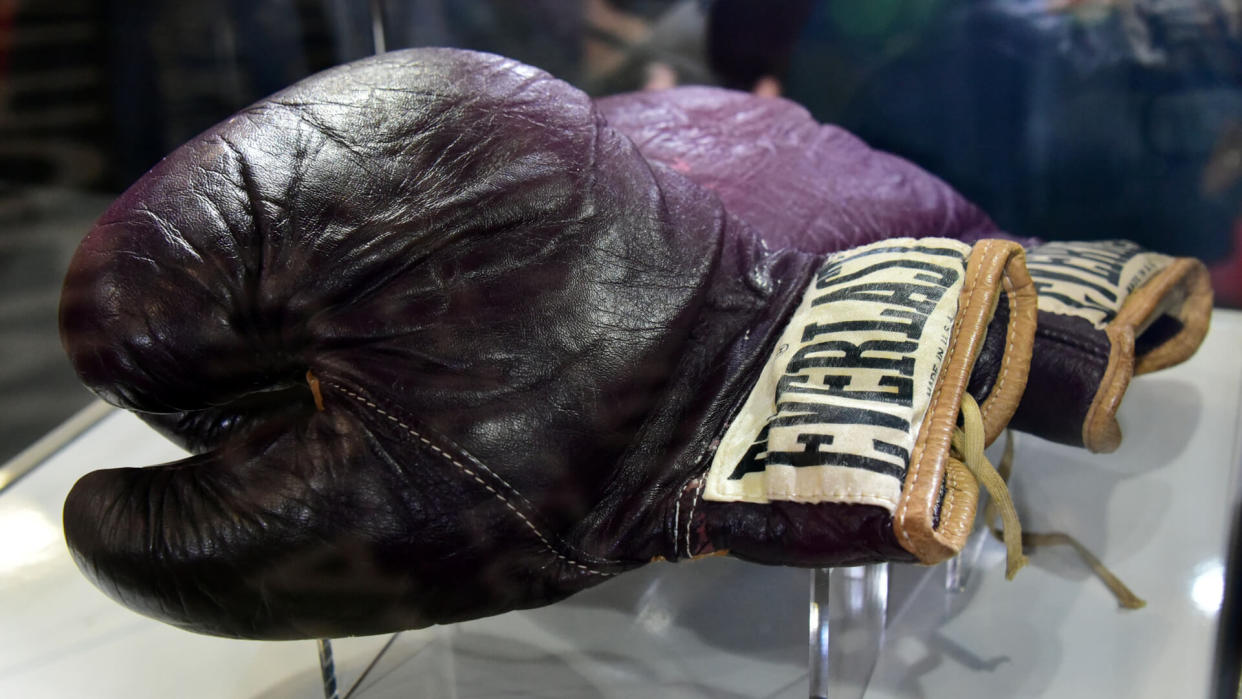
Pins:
x,y
1062,120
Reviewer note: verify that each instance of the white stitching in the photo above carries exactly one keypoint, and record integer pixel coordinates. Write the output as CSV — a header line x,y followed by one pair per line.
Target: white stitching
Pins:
x,y
473,475
677,514
821,497
693,503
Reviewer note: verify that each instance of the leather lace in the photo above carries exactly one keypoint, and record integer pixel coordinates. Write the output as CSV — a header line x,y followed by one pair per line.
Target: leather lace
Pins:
x,y
1125,597
968,443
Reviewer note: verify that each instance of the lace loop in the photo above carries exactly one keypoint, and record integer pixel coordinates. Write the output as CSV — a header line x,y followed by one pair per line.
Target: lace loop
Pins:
x,y
968,443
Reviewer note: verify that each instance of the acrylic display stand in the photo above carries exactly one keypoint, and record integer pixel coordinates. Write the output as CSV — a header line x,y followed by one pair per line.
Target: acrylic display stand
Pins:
x,y
1157,512
849,607
848,614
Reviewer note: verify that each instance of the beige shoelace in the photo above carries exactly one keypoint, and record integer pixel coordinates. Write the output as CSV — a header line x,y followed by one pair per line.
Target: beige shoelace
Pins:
x,y
968,442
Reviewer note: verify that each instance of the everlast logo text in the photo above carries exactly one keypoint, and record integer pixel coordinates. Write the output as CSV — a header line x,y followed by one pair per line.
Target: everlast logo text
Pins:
x,y
1090,280
851,377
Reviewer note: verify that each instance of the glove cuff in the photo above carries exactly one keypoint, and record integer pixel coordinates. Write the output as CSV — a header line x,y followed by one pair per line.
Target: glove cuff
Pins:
x,y
1107,311
1178,300
855,409
940,495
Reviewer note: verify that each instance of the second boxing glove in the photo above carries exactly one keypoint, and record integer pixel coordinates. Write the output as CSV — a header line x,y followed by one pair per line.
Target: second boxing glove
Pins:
x,y
1107,310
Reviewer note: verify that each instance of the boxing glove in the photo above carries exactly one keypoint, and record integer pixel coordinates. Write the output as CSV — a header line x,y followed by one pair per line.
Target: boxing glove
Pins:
x,y
444,345
1107,310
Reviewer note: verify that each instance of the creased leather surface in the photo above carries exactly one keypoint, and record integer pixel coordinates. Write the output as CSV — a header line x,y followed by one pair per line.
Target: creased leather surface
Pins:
x,y
523,333
527,337
802,184
1066,374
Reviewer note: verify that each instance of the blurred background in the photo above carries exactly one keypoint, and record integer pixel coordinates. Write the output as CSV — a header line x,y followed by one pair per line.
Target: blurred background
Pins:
x,y
1065,119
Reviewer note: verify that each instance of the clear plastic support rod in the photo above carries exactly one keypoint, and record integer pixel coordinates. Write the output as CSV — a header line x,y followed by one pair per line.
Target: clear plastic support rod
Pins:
x,y
954,575
849,607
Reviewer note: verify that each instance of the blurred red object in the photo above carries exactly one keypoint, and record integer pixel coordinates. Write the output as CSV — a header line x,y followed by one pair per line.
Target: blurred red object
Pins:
x,y
1227,274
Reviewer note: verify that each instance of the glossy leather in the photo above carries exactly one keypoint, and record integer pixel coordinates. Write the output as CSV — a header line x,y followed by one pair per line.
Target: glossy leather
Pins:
x,y
1067,369
526,335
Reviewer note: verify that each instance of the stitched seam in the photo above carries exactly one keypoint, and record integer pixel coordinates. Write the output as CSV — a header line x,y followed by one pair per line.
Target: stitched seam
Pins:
x,y
676,530
968,288
950,496
951,490
694,503
837,494
802,495
465,469
677,513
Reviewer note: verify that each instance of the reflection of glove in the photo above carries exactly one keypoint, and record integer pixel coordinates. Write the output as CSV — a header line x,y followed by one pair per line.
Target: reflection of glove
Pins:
x,y
449,346
1107,311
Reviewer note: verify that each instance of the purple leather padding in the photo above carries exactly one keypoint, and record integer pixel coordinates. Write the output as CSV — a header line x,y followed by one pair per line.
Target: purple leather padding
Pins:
x,y
1067,366
801,184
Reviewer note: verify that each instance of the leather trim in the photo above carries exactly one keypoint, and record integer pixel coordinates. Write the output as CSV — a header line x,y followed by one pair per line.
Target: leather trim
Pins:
x,y
1182,289
1002,402
1100,431
990,262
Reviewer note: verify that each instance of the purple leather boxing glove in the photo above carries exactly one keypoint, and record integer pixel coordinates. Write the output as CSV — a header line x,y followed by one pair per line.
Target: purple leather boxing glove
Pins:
x,y
445,344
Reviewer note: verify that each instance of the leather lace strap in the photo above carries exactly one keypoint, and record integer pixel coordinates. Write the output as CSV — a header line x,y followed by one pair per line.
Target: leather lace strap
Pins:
x,y
968,444
1125,597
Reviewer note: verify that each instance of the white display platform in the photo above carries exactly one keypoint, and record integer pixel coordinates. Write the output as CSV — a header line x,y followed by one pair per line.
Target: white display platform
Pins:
x,y
1156,512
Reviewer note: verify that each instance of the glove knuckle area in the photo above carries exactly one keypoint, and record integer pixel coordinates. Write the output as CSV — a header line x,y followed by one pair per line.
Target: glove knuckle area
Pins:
x,y
208,282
